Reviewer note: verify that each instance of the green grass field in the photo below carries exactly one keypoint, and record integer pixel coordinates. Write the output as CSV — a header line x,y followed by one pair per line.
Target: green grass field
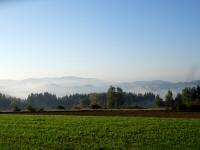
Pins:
x,y
74,132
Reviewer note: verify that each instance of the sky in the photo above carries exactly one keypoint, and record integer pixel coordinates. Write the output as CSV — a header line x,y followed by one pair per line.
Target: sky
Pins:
x,y
113,40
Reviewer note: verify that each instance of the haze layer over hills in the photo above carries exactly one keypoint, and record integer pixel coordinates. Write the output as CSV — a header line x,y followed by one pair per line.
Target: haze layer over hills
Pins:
x,y
71,85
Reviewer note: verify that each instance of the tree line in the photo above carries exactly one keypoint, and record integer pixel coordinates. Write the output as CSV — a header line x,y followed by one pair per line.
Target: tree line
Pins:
x,y
187,100
114,98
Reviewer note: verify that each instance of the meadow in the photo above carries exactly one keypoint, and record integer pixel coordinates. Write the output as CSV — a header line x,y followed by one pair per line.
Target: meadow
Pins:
x,y
87,132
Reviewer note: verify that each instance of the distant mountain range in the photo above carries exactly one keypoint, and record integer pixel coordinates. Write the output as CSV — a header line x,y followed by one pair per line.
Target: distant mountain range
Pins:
x,y
70,85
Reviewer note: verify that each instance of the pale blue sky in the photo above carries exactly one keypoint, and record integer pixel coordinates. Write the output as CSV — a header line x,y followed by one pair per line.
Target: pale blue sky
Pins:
x,y
118,40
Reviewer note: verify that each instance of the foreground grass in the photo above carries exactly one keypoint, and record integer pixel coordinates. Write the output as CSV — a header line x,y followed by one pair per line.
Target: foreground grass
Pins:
x,y
73,132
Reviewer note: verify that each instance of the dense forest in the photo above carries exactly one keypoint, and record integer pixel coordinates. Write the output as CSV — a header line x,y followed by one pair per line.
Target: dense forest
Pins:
x,y
114,98
187,100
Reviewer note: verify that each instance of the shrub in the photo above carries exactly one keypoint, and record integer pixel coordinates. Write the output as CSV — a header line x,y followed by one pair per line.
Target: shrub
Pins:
x,y
30,109
16,109
60,107
41,109
95,106
135,107
78,107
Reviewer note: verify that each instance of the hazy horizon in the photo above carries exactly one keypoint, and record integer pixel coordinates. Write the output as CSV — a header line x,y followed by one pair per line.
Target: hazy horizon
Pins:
x,y
62,86
107,81
108,40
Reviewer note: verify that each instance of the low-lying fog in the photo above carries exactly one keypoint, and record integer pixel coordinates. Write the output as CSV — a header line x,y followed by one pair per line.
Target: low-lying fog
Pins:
x,y
70,85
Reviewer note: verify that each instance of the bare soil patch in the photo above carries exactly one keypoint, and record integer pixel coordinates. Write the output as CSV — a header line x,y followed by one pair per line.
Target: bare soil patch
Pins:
x,y
127,113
